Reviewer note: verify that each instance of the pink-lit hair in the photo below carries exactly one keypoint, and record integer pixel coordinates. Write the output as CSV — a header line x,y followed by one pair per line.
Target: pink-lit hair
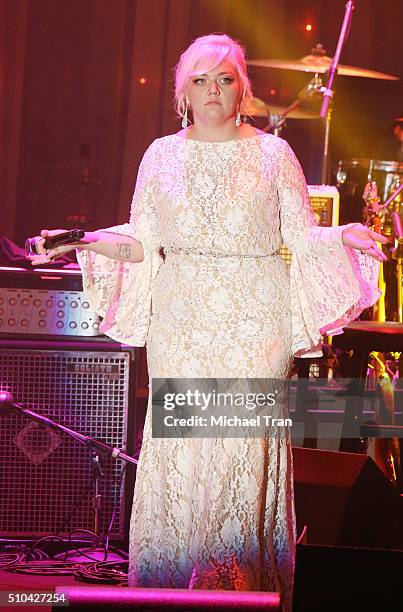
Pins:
x,y
205,54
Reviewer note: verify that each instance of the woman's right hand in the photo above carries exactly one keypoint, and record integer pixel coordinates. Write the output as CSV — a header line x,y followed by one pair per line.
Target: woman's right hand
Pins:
x,y
115,246
48,256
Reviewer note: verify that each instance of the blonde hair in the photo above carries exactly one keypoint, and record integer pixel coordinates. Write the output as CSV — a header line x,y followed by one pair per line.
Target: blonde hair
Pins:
x,y
207,53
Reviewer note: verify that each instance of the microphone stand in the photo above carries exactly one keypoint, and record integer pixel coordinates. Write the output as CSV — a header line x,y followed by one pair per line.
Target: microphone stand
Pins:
x,y
7,405
325,111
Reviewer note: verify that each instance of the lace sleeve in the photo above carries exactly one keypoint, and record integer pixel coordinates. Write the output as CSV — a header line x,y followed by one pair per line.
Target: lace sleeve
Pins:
x,y
330,284
120,292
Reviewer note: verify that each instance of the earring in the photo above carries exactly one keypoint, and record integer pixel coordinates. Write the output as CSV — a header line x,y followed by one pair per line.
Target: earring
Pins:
x,y
238,117
185,118
185,115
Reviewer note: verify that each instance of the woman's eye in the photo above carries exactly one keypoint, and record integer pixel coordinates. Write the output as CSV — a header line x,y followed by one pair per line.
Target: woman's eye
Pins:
x,y
225,80
221,81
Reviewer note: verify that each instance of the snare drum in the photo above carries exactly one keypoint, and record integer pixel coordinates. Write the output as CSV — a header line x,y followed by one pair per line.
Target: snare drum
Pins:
x,y
352,176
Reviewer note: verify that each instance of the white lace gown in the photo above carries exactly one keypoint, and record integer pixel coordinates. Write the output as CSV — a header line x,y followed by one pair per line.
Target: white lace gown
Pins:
x,y
218,513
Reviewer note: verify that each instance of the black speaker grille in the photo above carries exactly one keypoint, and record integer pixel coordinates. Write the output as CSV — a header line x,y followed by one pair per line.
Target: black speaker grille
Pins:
x,y
45,473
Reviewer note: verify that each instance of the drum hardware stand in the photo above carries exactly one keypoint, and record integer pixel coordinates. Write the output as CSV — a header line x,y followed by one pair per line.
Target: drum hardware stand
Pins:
x,y
397,254
384,449
277,122
325,111
327,92
393,196
374,211
326,156
374,220
96,447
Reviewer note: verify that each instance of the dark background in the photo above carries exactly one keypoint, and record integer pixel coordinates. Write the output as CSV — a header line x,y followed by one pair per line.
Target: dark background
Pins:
x,y
75,119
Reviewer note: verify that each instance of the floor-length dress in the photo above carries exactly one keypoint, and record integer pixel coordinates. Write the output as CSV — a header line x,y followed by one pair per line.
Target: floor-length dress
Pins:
x,y
218,513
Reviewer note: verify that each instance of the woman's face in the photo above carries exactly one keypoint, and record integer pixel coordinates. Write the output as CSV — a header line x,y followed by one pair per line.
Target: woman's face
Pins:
x,y
214,97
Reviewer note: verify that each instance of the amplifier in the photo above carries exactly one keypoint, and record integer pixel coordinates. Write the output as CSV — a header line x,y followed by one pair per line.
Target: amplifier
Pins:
x,y
325,202
46,476
45,302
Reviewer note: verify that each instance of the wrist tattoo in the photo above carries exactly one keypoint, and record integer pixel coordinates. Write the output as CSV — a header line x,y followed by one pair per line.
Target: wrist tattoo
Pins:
x,y
123,250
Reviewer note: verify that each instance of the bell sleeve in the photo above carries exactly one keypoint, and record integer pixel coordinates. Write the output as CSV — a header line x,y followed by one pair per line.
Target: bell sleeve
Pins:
x,y
120,292
330,284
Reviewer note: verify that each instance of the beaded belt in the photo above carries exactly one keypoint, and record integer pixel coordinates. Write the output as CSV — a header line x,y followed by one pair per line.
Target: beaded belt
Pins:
x,y
189,251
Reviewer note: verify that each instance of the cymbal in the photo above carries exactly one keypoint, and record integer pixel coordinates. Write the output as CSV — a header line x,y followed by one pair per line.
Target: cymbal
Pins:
x,y
320,63
258,108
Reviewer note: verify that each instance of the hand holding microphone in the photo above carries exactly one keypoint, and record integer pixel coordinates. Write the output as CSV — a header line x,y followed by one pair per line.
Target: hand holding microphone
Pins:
x,y
52,243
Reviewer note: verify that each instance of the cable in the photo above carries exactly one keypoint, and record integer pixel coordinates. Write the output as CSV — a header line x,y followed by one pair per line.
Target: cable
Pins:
x,y
99,543
66,521
101,572
109,572
302,537
41,552
10,559
115,504
54,568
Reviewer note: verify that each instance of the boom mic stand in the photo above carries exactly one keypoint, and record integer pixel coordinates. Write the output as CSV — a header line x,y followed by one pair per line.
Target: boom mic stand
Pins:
x,y
7,405
97,448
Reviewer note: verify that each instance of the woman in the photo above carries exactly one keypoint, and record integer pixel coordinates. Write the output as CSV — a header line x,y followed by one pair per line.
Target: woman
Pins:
x,y
220,197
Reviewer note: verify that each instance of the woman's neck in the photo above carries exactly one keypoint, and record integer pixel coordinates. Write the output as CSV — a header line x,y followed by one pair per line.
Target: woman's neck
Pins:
x,y
214,133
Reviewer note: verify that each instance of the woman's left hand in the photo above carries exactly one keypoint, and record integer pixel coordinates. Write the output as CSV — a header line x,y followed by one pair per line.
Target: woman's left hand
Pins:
x,y
363,239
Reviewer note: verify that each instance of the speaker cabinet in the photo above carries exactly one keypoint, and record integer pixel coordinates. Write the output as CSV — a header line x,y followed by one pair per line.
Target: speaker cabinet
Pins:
x,y
46,477
344,499
347,579
325,201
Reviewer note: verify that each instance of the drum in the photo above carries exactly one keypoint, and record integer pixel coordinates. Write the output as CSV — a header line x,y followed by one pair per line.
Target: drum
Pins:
x,y
352,176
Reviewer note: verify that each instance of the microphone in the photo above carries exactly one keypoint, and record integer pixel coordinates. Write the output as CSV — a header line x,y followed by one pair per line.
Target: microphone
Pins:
x,y
7,403
51,242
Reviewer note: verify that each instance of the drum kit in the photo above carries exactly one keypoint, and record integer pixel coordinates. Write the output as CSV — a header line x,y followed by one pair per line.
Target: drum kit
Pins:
x,y
370,189
371,193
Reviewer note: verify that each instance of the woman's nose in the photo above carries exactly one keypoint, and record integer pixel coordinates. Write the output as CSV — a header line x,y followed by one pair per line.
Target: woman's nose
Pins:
x,y
214,89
